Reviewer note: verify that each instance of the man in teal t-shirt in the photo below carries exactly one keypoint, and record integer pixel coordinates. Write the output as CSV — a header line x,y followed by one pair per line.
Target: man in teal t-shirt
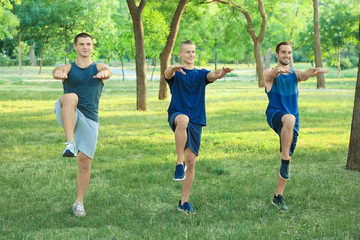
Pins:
x,y
186,114
77,110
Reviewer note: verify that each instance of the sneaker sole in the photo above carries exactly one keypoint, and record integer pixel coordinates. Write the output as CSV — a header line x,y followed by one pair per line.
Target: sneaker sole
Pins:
x,y
178,179
68,154
284,178
277,206
188,213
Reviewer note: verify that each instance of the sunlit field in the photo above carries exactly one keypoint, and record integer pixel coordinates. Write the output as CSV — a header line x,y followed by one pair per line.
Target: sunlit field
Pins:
x,y
131,193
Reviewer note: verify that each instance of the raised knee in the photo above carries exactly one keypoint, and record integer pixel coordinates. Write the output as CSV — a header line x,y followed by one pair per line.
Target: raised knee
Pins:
x,y
69,99
288,120
181,121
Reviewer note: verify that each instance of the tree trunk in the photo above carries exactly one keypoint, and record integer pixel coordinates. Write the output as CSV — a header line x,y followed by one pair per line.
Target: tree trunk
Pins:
x,y
257,39
318,53
32,55
20,53
353,161
122,68
140,59
154,65
339,66
42,55
165,55
259,63
269,53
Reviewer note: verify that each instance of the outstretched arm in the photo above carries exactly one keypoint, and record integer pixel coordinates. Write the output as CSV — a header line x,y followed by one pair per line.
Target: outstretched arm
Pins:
x,y
61,72
270,74
217,74
104,72
311,72
170,71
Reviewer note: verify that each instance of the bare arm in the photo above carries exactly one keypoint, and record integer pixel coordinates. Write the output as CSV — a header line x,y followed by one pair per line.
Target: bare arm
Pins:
x,y
170,71
61,72
104,72
303,75
217,74
270,74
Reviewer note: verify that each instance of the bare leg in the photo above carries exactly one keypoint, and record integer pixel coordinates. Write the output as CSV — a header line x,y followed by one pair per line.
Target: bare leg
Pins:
x,y
68,103
181,123
286,135
190,159
83,177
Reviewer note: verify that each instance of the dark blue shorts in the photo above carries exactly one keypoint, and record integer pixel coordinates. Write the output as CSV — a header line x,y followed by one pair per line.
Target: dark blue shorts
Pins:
x,y
193,133
276,122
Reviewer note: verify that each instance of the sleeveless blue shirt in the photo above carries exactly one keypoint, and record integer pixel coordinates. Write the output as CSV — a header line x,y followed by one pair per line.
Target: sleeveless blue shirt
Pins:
x,y
81,81
283,97
188,94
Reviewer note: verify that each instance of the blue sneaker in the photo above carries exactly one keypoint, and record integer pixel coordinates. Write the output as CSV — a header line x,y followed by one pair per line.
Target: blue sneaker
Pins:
x,y
186,208
284,169
179,174
69,150
279,202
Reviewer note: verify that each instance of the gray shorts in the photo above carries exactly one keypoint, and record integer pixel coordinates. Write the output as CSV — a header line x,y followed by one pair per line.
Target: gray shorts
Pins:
x,y
85,134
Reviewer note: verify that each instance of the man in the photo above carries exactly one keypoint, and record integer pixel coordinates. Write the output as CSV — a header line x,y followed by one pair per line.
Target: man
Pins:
x,y
186,114
77,110
281,86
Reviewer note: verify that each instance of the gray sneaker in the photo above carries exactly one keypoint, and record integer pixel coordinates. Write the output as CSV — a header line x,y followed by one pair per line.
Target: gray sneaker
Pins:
x,y
78,209
69,150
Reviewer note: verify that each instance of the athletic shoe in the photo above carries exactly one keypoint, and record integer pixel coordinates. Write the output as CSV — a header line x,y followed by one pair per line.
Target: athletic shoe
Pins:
x,y
284,169
279,202
179,174
79,210
186,208
69,149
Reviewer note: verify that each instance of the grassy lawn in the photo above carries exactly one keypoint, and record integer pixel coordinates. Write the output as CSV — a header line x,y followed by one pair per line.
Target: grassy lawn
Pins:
x,y
131,193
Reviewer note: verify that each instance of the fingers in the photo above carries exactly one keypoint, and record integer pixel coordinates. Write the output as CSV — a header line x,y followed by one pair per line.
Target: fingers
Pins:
x,y
101,75
178,68
60,76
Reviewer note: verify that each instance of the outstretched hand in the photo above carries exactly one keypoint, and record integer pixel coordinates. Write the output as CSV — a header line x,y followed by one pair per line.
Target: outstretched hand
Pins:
x,y
316,71
282,70
60,75
223,72
102,75
178,68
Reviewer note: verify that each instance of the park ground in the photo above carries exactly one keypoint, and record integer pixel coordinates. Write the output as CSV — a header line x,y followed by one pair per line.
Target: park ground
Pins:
x,y
131,193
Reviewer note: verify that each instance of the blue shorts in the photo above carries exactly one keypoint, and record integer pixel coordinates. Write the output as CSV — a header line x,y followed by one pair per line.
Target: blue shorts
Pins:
x,y
193,133
85,133
277,125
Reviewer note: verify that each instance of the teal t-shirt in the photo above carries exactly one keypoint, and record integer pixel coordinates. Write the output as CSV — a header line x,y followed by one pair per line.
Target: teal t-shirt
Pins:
x,y
81,81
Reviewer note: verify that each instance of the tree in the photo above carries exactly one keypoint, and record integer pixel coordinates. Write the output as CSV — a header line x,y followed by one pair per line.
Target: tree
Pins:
x,y
257,39
8,20
317,48
136,12
169,46
353,161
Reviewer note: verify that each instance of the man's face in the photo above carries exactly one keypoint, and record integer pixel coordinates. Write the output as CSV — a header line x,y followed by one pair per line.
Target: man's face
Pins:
x,y
84,46
187,53
285,54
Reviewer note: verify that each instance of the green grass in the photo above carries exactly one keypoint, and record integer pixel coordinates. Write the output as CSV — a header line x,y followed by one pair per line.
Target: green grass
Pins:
x,y
131,193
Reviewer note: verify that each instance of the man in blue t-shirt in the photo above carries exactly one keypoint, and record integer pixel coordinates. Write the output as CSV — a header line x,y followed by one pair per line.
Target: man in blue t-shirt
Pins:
x,y
281,87
186,114
77,110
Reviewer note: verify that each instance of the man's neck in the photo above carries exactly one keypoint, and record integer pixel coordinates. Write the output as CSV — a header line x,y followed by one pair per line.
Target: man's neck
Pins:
x,y
283,66
188,66
83,62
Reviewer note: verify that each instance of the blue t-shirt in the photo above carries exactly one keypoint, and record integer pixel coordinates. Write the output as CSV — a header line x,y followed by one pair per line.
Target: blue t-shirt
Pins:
x,y
88,89
188,94
283,96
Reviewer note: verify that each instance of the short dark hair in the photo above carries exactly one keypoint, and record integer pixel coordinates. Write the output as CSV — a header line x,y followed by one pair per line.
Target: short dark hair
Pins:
x,y
186,42
81,35
282,43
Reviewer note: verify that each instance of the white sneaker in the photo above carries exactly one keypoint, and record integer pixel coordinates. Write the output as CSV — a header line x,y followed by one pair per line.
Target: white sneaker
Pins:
x,y
78,209
69,149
